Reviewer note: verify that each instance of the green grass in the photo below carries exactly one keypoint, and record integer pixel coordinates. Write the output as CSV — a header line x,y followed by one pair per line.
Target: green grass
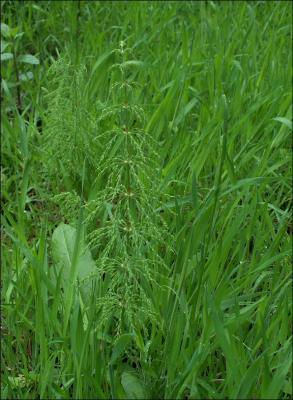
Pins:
x,y
146,207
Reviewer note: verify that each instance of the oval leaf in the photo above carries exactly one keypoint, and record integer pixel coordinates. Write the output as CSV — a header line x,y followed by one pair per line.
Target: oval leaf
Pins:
x,y
29,59
134,388
5,30
63,243
6,56
26,76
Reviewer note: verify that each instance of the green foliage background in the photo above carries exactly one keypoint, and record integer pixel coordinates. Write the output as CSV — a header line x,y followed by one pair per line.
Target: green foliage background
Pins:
x,y
146,199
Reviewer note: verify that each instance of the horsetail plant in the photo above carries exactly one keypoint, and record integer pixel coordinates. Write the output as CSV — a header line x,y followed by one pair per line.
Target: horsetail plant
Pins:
x,y
128,243
125,234
69,129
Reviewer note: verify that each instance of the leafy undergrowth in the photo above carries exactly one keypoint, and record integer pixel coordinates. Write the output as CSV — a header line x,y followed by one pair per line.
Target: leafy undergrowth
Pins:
x,y
146,200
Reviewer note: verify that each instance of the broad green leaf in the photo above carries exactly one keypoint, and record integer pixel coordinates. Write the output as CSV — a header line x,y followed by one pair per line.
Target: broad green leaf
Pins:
x,y
134,388
63,242
27,76
5,30
6,56
28,59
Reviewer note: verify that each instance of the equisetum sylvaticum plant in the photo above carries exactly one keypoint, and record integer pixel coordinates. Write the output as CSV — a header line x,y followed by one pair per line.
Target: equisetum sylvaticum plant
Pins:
x,y
121,169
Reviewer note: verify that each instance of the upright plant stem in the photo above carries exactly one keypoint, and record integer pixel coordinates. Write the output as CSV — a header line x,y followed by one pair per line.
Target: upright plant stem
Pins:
x,y
76,66
77,32
18,97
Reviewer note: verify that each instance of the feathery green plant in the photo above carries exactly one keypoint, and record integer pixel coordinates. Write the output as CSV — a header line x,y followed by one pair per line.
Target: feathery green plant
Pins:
x,y
124,231
70,129
129,241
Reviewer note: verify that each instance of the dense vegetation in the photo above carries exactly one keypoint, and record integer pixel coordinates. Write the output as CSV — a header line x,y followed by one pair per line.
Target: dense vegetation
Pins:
x,y
146,200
